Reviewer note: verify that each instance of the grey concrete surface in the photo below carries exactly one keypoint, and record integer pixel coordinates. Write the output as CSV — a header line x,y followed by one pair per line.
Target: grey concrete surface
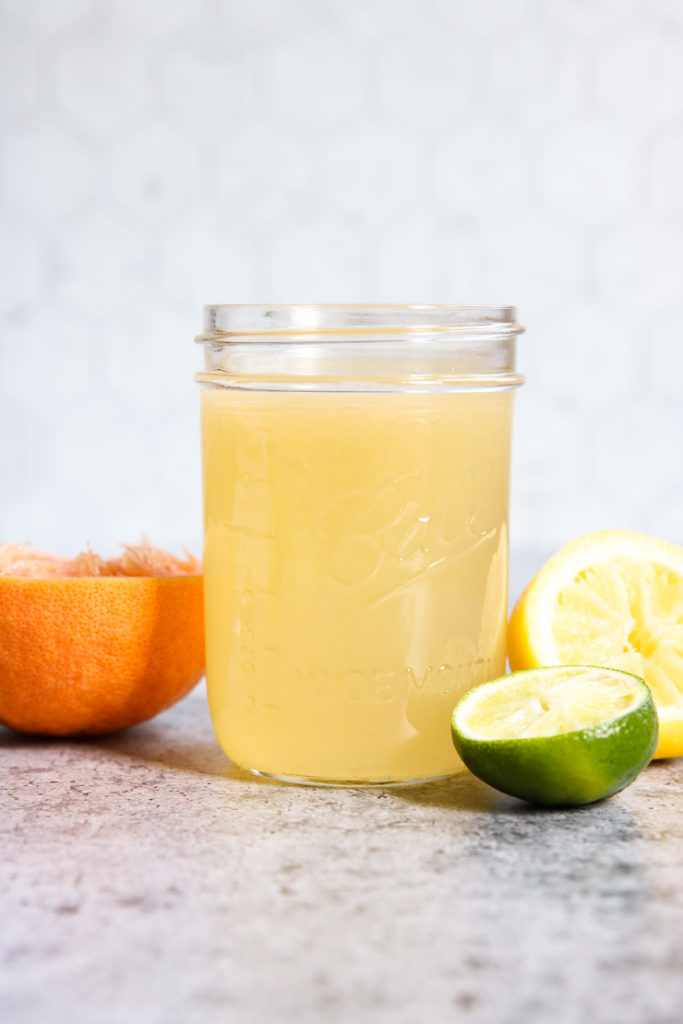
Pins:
x,y
145,880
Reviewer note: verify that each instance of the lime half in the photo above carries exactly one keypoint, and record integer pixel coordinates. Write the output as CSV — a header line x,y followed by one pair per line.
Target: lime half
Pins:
x,y
557,736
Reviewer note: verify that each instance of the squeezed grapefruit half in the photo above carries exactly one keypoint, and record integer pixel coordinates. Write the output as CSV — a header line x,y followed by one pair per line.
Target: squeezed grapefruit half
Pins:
x,y
91,645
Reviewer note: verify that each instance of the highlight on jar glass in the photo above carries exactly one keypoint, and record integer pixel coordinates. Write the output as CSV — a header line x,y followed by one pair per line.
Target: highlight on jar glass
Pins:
x,y
356,476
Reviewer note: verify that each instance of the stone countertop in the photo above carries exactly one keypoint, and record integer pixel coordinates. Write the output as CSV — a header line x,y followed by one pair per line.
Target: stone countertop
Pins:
x,y
145,880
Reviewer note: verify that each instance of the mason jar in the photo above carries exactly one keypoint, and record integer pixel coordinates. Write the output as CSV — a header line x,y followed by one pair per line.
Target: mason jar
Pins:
x,y
356,471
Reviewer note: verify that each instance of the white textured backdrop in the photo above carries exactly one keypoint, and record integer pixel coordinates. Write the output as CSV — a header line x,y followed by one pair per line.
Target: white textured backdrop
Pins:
x,y
159,154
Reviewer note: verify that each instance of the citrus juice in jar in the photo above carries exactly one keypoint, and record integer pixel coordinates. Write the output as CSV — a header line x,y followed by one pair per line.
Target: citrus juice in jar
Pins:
x,y
356,489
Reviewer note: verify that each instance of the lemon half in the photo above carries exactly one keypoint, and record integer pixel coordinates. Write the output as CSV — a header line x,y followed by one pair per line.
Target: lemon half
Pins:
x,y
614,599
557,736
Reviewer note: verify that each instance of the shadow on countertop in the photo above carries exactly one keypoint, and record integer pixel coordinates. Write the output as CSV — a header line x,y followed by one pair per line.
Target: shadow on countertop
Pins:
x,y
180,739
461,792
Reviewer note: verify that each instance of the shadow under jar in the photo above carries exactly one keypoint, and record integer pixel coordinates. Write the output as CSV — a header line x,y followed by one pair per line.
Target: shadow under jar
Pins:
x,y
356,472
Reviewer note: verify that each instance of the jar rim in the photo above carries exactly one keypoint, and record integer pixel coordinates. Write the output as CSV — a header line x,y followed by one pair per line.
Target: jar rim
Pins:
x,y
228,319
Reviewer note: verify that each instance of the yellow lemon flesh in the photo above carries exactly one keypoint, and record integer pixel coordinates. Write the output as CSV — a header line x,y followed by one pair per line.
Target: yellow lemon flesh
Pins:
x,y
613,599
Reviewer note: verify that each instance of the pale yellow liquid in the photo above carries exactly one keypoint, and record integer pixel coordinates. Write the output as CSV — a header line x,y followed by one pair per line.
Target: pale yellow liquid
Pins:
x,y
355,575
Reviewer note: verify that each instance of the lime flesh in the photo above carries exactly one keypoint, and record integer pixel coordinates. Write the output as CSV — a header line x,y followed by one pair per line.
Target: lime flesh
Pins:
x,y
557,736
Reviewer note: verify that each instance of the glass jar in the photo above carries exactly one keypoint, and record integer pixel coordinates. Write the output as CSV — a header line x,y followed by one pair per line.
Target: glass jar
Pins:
x,y
356,468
